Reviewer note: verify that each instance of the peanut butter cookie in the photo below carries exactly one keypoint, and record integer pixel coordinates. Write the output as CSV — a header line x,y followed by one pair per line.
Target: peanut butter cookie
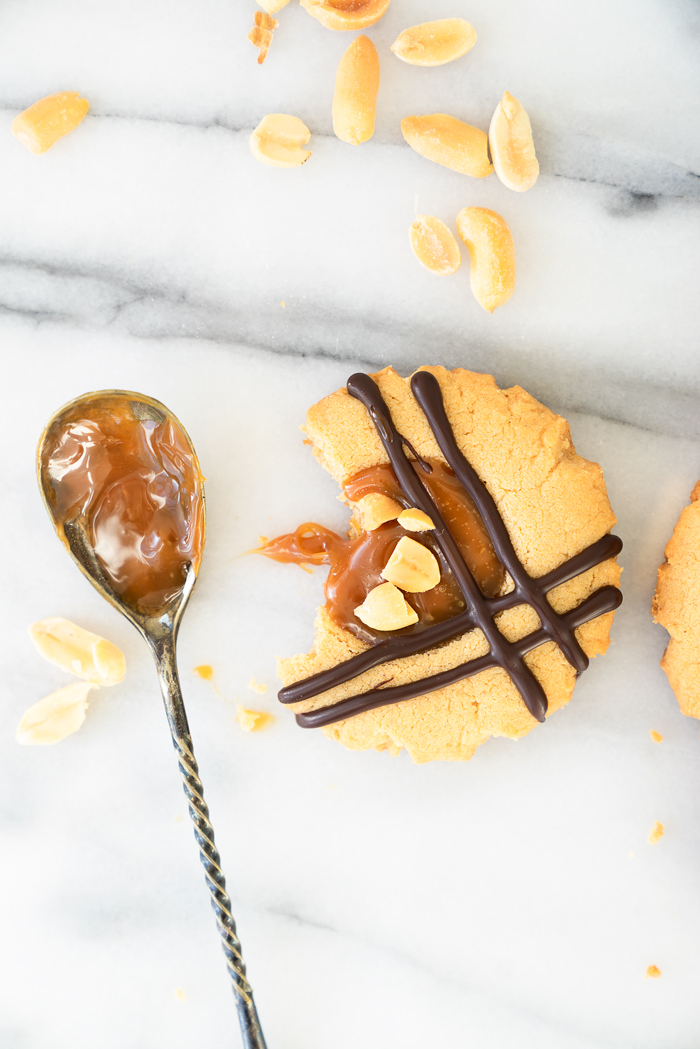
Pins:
x,y
508,519
676,606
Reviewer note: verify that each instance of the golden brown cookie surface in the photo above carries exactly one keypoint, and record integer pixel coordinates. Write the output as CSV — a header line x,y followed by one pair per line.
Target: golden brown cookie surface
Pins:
x,y
554,505
677,607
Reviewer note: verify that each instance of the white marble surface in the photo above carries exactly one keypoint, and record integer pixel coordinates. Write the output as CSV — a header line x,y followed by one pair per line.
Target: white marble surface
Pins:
x,y
510,902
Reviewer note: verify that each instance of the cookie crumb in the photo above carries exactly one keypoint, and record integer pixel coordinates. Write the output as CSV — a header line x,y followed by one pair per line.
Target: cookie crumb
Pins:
x,y
260,689
252,720
205,672
657,833
180,994
656,736
630,854
652,973
283,304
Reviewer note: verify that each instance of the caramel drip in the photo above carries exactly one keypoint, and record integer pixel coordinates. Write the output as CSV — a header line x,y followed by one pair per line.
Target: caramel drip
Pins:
x,y
356,565
480,609
129,471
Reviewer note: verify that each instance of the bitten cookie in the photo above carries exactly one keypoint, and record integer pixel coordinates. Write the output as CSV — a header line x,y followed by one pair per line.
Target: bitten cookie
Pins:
x,y
676,606
553,505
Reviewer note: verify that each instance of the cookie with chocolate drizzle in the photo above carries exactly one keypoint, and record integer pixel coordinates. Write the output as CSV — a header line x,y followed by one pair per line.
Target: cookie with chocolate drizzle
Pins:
x,y
520,531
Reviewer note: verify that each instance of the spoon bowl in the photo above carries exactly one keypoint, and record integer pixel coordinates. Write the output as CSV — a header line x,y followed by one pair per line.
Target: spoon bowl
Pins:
x,y
78,461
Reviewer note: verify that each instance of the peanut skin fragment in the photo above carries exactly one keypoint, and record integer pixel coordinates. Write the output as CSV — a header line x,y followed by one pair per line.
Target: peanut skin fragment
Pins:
x,y
346,14
449,142
435,43
434,245
40,127
512,147
356,87
261,34
277,140
492,274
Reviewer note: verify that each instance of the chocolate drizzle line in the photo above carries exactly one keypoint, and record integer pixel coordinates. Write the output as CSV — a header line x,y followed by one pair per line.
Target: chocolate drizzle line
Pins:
x,y
480,610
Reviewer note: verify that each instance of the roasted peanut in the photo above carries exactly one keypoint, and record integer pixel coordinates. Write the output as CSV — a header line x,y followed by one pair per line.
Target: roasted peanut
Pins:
x,y
277,140
412,567
450,142
434,43
356,87
414,520
385,608
376,509
56,716
272,6
434,245
512,148
492,275
346,14
49,119
78,651
261,34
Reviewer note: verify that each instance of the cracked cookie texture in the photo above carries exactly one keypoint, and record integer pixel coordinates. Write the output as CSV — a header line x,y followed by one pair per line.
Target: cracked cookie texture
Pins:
x,y
676,606
554,505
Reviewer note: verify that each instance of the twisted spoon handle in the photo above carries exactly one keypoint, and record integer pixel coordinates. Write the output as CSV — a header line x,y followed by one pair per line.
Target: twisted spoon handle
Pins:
x,y
164,652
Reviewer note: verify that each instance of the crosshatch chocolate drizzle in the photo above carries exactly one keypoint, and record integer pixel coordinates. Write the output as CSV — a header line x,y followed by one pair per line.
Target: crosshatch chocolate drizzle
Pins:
x,y
480,610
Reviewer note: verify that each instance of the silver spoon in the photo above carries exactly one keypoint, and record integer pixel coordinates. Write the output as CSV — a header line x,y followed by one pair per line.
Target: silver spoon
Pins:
x,y
160,631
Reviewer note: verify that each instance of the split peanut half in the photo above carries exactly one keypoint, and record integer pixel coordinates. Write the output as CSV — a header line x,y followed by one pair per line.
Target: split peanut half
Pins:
x,y
40,127
492,274
435,43
512,148
346,14
356,87
56,716
412,567
272,6
277,140
78,651
385,608
435,247
450,142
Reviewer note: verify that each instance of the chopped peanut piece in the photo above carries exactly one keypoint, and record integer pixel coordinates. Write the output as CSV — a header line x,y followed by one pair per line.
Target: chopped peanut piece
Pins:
x,y
376,509
656,736
415,520
56,716
652,973
450,142
492,275
657,833
256,687
277,140
77,651
412,567
385,608
346,14
434,43
356,87
512,148
273,6
40,127
252,720
434,245
261,34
